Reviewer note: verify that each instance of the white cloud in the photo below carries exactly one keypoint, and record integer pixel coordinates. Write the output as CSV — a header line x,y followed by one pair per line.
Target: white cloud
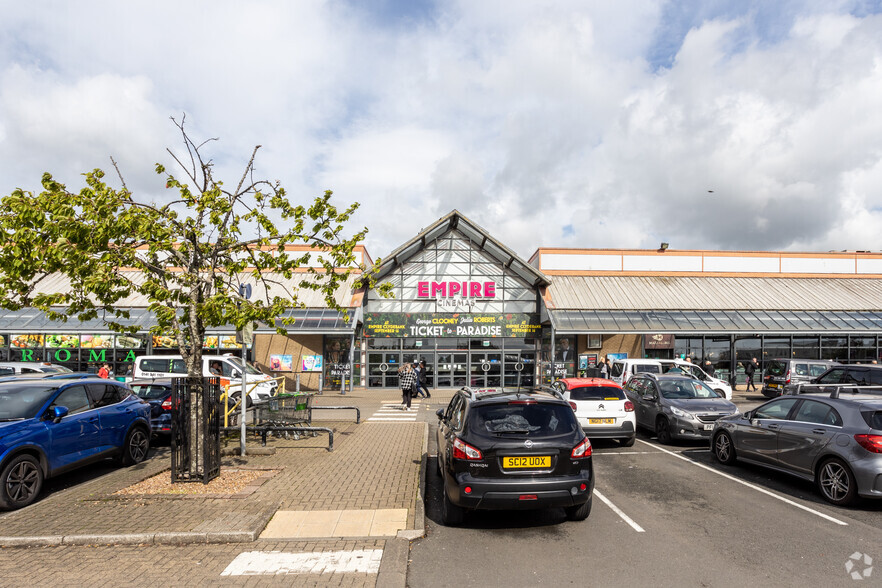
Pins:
x,y
525,116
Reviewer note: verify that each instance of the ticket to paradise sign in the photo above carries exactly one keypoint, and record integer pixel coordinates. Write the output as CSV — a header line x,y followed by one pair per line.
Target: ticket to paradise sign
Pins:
x,y
394,324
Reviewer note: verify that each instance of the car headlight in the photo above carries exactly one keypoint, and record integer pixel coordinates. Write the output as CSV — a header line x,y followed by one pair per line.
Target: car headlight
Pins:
x,y
682,413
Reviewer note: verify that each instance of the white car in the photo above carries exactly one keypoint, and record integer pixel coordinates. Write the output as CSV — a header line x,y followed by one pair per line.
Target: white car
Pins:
x,y
719,386
601,408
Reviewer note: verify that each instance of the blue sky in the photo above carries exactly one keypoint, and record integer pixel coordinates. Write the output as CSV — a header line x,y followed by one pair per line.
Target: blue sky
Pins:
x,y
705,124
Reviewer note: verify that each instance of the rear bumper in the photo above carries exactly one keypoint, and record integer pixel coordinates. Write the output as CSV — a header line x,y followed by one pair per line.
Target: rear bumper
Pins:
x,y
520,493
624,430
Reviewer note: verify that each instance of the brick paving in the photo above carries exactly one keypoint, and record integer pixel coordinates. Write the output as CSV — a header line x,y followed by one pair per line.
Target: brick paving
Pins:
x,y
374,465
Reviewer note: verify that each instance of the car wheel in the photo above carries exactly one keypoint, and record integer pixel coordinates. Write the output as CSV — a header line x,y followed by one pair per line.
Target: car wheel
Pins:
x,y
451,514
135,448
249,402
663,431
836,482
578,513
724,449
20,482
629,442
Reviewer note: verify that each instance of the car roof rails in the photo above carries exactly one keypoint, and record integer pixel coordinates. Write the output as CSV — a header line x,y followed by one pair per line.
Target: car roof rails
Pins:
x,y
550,390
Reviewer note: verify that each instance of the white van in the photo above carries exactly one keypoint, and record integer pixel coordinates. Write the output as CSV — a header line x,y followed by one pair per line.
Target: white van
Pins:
x,y
229,366
718,385
623,369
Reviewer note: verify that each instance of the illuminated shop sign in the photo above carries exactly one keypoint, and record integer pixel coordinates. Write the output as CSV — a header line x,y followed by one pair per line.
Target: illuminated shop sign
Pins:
x,y
456,289
381,324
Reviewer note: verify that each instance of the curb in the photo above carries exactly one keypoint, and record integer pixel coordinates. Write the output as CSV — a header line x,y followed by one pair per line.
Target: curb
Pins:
x,y
172,538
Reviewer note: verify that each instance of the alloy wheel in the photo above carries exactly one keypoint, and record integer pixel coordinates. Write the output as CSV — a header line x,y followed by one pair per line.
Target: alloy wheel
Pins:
x,y
23,482
138,446
723,447
834,480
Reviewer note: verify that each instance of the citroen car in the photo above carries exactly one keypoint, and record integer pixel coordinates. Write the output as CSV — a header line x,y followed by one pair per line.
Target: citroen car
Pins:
x,y
601,408
512,449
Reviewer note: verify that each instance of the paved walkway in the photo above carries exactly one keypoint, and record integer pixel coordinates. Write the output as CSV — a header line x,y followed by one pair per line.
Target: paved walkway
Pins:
x,y
361,502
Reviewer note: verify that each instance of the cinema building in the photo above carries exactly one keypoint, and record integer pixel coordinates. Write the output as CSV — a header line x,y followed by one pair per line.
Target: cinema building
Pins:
x,y
480,315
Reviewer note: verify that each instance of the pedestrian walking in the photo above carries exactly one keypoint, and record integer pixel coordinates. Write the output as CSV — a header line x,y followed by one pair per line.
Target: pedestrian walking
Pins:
x,y
406,381
709,368
422,379
604,369
104,372
749,370
608,365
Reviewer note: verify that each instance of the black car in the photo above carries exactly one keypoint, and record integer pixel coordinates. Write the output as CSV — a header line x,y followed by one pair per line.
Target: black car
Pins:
x,y
517,450
158,393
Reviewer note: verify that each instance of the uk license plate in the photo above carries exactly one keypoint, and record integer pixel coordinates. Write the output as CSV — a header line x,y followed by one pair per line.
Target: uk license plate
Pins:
x,y
601,421
773,385
532,461
708,427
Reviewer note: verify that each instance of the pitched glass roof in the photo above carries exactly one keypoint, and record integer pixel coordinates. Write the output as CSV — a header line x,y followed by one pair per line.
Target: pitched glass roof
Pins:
x,y
307,320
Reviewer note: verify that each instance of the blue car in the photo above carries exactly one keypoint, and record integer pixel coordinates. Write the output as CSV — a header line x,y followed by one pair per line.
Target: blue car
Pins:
x,y
48,427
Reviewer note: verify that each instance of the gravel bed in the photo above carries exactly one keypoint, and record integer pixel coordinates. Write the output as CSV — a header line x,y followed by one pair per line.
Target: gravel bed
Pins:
x,y
230,481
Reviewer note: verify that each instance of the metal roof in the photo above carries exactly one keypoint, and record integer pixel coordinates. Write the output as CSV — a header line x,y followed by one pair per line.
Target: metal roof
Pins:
x,y
713,293
276,285
483,239
683,322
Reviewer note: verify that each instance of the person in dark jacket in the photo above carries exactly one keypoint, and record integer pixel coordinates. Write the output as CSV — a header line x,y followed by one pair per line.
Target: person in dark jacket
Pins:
x,y
421,379
709,368
749,370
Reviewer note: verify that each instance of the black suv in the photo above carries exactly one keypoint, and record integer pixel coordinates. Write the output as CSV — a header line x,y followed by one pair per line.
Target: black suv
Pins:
x,y
842,375
510,449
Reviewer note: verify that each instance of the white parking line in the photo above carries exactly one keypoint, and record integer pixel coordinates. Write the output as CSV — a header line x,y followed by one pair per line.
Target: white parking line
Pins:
x,y
749,485
619,512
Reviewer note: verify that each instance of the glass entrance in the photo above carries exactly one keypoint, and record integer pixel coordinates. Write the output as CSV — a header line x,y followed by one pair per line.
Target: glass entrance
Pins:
x,y
485,369
519,369
383,369
452,369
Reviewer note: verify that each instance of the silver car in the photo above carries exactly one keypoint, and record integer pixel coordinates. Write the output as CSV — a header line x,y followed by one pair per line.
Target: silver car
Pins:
x,y
676,406
833,441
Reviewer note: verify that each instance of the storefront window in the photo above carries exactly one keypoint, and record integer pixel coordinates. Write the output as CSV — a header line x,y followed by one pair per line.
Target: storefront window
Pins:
x,y
336,360
863,349
564,358
690,347
808,348
775,348
835,348
746,348
717,350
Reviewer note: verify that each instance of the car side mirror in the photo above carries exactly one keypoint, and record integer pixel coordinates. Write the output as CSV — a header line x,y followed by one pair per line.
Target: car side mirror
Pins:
x,y
58,413
440,413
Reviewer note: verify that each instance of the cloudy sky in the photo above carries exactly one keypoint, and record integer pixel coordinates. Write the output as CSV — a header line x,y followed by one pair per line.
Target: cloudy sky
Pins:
x,y
746,125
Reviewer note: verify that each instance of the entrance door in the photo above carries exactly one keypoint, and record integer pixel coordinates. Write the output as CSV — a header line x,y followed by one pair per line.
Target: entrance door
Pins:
x,y
485,369
526,361
383,369
452,369
415,356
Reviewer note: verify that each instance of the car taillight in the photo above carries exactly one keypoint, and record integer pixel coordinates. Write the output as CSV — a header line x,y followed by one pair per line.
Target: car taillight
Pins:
x,y
573,406
583,449
462,450
166,404
787,381
629,406
872,443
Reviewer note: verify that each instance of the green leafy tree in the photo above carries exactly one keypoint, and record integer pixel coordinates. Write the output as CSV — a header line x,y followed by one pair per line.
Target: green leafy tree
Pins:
x,y
186,256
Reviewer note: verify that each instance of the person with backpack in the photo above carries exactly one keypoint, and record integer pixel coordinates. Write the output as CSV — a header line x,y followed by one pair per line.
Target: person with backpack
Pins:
x,y
421,379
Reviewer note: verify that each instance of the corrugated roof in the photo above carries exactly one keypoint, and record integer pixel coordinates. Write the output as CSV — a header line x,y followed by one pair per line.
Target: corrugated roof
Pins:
x,y
277,285
713,293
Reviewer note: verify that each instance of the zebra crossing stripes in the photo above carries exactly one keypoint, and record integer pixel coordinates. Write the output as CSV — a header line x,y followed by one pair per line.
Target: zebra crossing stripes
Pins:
x,y
394,413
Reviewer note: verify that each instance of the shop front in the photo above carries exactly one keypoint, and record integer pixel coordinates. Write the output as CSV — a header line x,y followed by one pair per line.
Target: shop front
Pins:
x,y
462,303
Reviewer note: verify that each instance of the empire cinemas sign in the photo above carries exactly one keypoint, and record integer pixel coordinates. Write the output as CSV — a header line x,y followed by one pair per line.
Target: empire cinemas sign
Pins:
x,y
454,293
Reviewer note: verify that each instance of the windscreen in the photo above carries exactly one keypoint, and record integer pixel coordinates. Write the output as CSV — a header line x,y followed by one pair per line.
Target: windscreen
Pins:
x,y
776,368
249,369
685,389
529,419
19,402
150,391
597,393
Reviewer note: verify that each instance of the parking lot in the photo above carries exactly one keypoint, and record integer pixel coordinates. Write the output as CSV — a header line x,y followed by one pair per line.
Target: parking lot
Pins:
x,y
671,515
